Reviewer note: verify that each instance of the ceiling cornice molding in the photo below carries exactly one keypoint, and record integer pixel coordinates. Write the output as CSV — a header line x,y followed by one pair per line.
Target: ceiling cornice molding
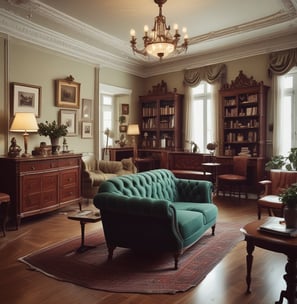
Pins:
x,y
23,29
288,13
37,7
274,19
230,54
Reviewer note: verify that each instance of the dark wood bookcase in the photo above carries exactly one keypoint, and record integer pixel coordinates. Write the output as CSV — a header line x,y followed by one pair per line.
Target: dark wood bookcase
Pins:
x,y
161,121
243,117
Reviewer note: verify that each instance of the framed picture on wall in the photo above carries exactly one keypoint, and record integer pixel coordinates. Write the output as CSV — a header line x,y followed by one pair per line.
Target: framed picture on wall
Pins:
x,y
69,118
86,129
125,109
25,98
123,128
67,93
86,109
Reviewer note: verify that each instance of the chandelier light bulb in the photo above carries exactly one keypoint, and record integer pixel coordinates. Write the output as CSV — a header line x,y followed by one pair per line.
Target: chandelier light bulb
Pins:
x,y
132,32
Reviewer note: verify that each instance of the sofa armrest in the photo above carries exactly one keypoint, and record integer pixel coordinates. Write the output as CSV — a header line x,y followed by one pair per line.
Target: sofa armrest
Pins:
x,y
196,191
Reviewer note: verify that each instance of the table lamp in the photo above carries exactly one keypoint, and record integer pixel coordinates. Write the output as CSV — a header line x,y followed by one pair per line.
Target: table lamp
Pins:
x,y
24,122
133,130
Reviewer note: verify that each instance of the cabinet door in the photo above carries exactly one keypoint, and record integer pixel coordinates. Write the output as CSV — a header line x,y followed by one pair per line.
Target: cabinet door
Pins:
x,y
50,190
69,185
31,193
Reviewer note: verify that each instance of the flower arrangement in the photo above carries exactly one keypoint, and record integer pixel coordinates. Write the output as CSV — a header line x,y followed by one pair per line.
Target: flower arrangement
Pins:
x,y
52,129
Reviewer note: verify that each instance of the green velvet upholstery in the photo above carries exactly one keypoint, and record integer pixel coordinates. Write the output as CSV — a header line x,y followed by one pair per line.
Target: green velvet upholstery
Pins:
x,y
154,210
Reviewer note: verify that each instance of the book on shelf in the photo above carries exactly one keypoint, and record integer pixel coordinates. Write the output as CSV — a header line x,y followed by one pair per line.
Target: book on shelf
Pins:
x,y
277,225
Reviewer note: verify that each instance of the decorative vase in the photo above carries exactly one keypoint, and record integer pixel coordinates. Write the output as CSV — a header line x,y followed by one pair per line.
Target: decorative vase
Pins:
x,y
55,145
290,216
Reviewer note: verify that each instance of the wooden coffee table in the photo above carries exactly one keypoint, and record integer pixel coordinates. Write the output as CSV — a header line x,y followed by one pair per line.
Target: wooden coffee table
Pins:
x,y
272,242
84,217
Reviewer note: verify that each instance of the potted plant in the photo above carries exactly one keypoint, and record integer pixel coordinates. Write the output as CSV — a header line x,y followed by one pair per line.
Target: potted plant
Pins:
x,y
292,158
289,199
276,162
54,131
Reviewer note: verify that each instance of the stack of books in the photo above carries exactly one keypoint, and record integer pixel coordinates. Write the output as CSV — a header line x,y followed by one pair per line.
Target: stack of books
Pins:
x,y
244,152
277,225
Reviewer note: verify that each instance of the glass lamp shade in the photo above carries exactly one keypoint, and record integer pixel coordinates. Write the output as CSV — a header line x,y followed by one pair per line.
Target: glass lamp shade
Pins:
x,y
162,49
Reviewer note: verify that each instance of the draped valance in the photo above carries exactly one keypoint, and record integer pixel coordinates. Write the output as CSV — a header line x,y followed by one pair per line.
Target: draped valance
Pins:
x,y
210,74
282,62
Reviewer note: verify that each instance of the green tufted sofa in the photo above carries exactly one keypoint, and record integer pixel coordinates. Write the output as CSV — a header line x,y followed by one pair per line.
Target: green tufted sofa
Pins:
x,y
154,210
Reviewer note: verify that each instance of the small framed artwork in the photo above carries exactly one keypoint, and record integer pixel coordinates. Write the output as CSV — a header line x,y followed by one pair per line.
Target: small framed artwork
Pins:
x,y
123,128
69,118
25,98
86,109
125,109
86,129
67,93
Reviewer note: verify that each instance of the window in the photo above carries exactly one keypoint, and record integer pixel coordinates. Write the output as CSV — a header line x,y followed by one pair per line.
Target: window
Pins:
x,y
202,118
288,109
107,117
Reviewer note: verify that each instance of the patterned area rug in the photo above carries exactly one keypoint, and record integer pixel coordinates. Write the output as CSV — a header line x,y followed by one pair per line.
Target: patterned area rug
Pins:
x,y
130,271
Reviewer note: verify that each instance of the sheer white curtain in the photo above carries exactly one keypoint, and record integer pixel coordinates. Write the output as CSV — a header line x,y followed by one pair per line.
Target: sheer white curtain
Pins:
x,y
187,117
215,76
279,117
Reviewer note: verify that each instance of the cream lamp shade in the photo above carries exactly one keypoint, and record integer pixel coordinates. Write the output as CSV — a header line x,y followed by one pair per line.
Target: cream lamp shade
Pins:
x,y
24,122
133,129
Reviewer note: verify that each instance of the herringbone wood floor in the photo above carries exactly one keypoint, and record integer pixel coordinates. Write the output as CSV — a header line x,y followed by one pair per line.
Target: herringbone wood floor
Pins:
x,y
225,284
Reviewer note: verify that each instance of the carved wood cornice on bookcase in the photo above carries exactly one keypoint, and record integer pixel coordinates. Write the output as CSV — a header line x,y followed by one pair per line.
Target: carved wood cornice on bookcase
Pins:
x,y
242,81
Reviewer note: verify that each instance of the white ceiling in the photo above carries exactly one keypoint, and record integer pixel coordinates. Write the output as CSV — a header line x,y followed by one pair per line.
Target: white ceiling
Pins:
x,y
98,30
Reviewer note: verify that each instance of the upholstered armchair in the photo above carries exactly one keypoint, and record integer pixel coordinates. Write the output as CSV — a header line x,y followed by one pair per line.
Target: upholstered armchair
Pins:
x,y
269,199
94,172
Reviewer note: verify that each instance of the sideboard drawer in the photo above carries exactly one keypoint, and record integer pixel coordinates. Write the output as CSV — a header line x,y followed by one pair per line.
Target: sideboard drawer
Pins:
x,y
38,165
69,178
69,162
69,193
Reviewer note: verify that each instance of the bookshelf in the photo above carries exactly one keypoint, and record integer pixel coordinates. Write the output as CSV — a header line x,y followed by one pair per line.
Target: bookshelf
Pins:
x,y
161,120
243,119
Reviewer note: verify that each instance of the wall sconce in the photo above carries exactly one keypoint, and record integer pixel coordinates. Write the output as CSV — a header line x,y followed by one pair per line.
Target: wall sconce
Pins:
x,y
24,122
133,130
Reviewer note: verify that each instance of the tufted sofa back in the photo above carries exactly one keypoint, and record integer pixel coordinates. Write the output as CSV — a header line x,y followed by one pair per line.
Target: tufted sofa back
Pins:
x,y
156,184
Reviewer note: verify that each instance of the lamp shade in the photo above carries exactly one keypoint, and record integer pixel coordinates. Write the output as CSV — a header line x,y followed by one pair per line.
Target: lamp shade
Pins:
x,y
133,129
24,122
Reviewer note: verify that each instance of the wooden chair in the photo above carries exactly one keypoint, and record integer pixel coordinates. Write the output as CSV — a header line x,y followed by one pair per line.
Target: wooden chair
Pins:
x,y
4,201
279,180
234,182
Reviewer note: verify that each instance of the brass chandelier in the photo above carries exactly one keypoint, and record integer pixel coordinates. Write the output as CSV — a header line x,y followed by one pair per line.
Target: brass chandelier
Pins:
x,y
159,42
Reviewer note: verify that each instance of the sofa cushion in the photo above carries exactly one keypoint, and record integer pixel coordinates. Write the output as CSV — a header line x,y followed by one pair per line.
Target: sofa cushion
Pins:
x,y
189,222
208,211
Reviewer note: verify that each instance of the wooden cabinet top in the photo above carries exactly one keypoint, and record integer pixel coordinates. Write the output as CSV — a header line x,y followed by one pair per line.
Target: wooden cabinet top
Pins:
x,y
40,158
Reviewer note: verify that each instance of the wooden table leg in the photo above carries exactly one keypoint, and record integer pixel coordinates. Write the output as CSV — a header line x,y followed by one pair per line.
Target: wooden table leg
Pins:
x,y
291,280
83,247
249,263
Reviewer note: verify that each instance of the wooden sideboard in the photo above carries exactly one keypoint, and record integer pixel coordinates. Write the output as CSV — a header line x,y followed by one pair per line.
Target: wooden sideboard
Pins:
x,y
41,184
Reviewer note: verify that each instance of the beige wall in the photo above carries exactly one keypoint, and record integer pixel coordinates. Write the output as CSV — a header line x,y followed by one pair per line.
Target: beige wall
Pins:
x,y
31,64
35,65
